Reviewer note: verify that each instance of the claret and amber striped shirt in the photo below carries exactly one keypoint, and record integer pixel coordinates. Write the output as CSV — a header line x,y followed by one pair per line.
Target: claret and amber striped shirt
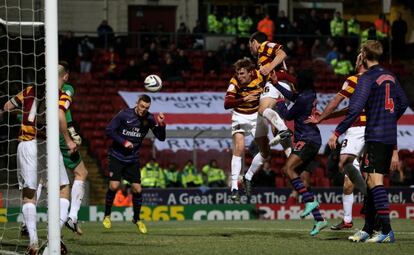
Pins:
x,y
236,92
347,90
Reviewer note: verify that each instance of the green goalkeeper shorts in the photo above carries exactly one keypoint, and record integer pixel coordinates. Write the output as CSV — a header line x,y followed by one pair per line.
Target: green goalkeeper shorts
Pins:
x,y
71,161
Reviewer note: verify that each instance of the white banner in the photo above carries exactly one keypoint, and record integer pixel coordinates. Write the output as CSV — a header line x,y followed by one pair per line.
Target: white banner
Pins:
x,y
405,138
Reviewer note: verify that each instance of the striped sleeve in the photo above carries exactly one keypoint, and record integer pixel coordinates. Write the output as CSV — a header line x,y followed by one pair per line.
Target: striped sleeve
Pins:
x,y
64,102
356,104
348,87
18,99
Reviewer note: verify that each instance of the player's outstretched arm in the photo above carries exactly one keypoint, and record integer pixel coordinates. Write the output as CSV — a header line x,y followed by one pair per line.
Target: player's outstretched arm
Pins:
x,y
293,112
328,112
159,130
280,55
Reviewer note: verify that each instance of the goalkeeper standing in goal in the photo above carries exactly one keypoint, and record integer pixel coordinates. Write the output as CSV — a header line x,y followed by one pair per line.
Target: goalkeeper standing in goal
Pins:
x,y
127,129
73,161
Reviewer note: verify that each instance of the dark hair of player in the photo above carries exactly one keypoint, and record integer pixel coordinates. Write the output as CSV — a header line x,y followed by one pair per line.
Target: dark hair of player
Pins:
x,y
305,80
259,37
245,63
144,98
372,50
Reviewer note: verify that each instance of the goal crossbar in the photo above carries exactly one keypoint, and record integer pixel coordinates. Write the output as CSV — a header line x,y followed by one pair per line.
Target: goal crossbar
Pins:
x,y
21,23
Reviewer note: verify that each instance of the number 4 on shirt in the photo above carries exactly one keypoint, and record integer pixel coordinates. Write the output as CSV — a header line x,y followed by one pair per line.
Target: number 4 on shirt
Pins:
x,y
389,102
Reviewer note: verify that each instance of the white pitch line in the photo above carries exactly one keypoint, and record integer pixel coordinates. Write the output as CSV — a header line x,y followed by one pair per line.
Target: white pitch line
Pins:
x,y
9,253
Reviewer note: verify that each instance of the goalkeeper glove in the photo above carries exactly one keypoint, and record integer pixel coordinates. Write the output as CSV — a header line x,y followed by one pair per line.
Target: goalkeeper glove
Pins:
x,y
75,136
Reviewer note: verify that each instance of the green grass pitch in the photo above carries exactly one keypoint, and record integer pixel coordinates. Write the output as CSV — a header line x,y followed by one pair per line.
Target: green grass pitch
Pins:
x,y
224,237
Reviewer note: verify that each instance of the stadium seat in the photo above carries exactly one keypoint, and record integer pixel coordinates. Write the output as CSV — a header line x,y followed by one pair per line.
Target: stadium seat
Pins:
x,y
279,182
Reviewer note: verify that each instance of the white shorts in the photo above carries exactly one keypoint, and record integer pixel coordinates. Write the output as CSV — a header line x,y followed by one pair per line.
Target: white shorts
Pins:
x,y
243,123
32,164
354,141
270,90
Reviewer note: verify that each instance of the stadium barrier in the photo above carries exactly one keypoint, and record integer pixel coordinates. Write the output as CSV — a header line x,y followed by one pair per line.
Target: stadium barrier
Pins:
x,y
215,204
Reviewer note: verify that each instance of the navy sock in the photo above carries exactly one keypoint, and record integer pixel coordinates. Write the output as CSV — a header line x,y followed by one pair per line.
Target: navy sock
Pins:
x,y
307,195
136,204
382,207
369,211
317,215
109,200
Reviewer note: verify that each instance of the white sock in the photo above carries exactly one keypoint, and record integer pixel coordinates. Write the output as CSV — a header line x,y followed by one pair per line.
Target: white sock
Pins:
x,y
78,191
257,161
287,146
29,214
347,201
64,208
236,163
38,192
274,119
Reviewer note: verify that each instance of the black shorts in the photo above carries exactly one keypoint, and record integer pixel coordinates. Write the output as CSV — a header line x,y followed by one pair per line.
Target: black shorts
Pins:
x,y
377,157
307,152
119,170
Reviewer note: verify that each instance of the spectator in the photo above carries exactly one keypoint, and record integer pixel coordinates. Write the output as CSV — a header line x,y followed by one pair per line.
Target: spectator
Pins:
x,y
68,49
290,49
350,53
337,25
123,197
341,65
242,51
282,24
371,34
169,70
265,177
267,26
173,178
144,64
105,34
120,47
244,25
214,25
190,176
353,26
215,175
318,50
153,56
382,24
301,49
198,30
211,64
152,175
182,62
295,29
85,53
398,32
333,54
230,24
258,15
132,71
402,176
313,23
144,36
111,59
183,29
325,24
229,55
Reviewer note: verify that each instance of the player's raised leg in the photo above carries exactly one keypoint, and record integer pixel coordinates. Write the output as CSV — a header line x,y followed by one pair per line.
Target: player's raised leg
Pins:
x,y
136,204
236,164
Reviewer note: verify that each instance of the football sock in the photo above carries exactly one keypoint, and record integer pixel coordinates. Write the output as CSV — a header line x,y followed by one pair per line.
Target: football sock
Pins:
x,y
257,161
38,192
347,202
78,191
29,215
136,204
64,210
356,178
236,163
382,207
369,211
274,119
317,215
109,200
307,196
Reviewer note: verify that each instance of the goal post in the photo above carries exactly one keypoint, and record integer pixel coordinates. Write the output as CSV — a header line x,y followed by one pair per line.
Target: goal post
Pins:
x,y
52,128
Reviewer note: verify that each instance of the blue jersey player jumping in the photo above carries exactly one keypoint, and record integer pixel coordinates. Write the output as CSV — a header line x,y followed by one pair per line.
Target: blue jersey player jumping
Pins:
x,y
380,94
307,141
127,129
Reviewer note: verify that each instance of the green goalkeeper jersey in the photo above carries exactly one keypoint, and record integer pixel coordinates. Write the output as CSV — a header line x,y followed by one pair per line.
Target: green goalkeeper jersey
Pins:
x,y
70,91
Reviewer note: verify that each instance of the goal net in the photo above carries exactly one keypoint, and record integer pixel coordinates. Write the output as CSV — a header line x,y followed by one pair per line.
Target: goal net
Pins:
x,y
22,66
